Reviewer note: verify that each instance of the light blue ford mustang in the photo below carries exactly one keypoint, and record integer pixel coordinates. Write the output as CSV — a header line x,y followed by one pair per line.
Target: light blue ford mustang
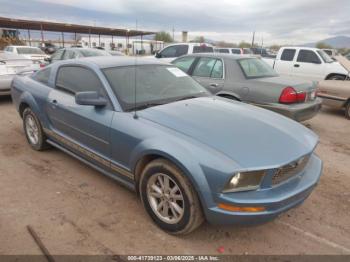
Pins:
x,y
189,155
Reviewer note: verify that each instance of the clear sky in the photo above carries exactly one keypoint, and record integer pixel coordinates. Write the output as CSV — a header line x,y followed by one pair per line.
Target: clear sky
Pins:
x,y
277,21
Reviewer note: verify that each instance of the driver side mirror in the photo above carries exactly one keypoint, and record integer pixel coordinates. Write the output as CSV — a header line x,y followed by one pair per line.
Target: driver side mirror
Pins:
x,y
158,55
90,98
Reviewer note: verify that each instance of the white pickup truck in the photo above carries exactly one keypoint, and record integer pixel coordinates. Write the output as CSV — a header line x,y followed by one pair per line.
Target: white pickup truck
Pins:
x,y
170,52
307,63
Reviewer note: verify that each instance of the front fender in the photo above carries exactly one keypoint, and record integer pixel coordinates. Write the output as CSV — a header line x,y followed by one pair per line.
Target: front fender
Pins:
x,y
182,157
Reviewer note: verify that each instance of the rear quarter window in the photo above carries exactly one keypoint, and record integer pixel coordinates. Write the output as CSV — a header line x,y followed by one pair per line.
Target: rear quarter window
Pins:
x,y
42,76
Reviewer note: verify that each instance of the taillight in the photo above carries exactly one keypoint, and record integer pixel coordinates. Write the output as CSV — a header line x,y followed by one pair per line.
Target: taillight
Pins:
x,y
42,65
290,96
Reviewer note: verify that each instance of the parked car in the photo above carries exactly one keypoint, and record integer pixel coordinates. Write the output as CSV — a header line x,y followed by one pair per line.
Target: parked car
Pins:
x,y
348,56
331,52
307,63
251,80
48,48
33,53
189,155
236,51
116,53
170,52
73,53
10,65
335,94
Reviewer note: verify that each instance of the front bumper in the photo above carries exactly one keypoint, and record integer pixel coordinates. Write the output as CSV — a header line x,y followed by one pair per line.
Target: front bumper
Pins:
x,y
299,112
275,200
5,84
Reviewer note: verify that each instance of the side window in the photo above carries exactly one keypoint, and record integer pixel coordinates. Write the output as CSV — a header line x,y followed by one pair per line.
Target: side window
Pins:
x,y
43,76
169,52
217,71
308,56
225,51
205,67
74,79
236,51
288,54
184,63
181,50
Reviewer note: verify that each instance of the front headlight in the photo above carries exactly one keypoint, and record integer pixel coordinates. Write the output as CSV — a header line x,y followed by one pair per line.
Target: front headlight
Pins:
x,y
244,181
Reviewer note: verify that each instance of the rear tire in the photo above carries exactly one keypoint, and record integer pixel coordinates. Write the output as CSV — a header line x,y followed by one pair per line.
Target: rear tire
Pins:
x,y
347,110
336,77
34,131
169,198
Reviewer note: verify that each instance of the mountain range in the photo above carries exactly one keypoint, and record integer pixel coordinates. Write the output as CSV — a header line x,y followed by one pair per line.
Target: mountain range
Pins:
x,y
335,42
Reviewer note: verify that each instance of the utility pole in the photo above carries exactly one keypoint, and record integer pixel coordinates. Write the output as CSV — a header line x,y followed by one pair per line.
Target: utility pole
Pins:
x,y
253,39
173,34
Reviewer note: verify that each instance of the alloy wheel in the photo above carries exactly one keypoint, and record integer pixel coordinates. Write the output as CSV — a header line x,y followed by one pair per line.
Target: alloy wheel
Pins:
x,y
165,198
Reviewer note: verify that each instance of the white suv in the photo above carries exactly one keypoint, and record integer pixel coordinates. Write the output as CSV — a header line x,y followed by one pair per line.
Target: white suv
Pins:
x,y
170,52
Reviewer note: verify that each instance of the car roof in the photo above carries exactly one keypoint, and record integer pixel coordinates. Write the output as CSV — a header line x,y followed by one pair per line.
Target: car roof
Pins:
x,y
222,55
114,61
300,47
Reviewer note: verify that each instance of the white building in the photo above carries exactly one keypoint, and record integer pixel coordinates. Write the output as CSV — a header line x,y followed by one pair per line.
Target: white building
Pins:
x,y
130,46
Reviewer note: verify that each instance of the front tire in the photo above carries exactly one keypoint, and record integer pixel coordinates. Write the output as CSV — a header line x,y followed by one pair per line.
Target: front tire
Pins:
x,y
34,131
169,198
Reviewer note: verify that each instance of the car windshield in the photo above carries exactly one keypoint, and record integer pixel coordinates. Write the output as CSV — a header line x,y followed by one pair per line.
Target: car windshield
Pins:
x,y
256,68
87,52
154,85
326,58
29,50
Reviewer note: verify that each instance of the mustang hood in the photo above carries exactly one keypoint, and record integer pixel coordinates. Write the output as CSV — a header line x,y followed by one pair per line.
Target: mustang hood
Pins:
x,y
251,136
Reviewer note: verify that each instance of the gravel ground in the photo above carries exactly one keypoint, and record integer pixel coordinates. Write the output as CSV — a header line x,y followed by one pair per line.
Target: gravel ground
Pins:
x,y
76,210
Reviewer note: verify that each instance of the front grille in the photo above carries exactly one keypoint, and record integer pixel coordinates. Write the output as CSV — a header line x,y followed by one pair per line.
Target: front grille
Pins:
x,y
284,173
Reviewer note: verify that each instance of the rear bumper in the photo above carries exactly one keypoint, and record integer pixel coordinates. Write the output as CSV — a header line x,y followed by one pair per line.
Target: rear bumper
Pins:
x,y
333,101
5,84
275,200
298,112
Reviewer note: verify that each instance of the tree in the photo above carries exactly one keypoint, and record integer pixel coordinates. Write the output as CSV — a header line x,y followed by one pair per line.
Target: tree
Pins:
x,y
275,47
198,39
225,44
163,36
323,45
244,45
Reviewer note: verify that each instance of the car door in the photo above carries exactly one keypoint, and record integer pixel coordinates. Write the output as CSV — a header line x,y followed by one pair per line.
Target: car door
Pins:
x,y
83,128
285,64
308,65
209,72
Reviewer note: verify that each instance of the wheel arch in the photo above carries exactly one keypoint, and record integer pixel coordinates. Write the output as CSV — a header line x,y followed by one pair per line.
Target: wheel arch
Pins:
x,y
334,74
229,95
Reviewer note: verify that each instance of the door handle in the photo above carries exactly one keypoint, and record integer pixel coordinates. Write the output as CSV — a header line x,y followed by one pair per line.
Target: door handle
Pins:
x,y
296,65
214,85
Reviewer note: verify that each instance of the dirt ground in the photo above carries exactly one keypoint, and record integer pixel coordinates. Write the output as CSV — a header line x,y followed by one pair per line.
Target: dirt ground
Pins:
x,y
76,210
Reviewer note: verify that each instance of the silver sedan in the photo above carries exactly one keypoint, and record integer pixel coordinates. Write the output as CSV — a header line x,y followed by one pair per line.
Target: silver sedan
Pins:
x,y
10,65
249,79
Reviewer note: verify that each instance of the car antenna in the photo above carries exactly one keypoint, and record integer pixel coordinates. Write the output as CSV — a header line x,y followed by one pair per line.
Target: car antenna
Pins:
x,y
135,78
